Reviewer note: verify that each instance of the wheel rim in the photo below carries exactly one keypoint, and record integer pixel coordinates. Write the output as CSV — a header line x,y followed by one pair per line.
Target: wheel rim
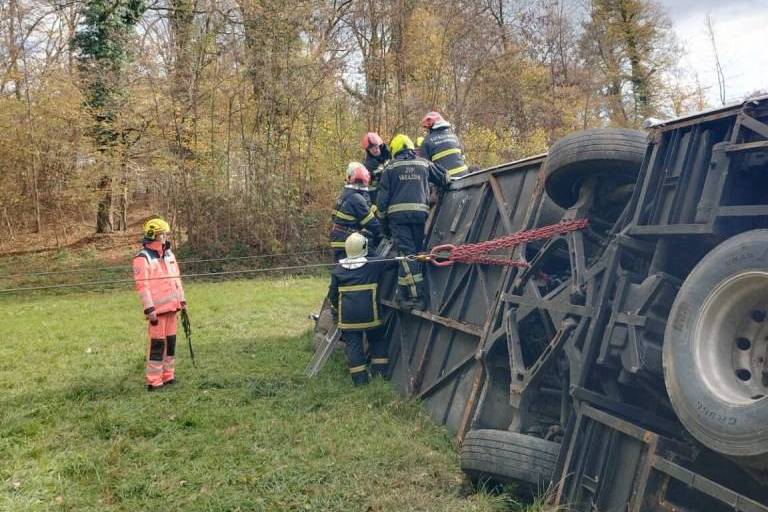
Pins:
x,y
731,340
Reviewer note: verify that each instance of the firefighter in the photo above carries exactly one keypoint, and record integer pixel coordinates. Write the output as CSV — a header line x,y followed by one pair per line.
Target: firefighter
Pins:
x,y
354,211
159,285
376,155
403,204
442,146
354,296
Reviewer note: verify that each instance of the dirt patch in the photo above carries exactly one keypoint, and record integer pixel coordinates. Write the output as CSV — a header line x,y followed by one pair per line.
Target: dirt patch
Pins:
x,y
80,239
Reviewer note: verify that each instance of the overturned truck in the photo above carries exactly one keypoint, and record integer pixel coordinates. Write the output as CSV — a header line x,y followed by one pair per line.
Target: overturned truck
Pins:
x,y
627,364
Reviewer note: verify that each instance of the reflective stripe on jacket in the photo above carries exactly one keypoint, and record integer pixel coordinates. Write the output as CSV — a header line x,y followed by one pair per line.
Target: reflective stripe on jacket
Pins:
x,y
404,188
354,292
157,280
353,212
442,147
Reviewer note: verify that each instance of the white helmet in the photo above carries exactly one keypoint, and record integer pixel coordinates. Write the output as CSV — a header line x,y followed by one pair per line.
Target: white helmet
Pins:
x,y
357,173
356,246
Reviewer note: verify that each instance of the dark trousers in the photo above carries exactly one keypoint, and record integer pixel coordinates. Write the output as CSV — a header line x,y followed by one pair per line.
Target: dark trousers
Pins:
x,y
357,359
409,239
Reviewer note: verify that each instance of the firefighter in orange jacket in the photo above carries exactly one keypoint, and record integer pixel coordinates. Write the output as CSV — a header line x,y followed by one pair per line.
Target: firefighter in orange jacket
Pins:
x,y
159,285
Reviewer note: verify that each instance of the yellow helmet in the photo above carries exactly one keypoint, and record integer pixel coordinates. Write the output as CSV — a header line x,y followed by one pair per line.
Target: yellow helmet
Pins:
x,y
154,227
399,143
356,246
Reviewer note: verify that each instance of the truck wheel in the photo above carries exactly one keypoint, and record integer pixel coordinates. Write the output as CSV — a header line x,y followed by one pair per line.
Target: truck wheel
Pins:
x,y
506,457
612,154
716,349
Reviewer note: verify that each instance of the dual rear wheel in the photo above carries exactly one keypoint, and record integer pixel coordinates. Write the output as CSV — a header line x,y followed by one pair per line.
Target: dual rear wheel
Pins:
x,y
716,349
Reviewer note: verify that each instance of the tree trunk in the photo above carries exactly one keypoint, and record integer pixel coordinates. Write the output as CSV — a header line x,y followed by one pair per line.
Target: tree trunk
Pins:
x,y
122,204
36,191
8,224
183,91
399,49
104,210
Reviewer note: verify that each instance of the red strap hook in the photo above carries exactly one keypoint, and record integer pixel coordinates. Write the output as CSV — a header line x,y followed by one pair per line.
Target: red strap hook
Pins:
x,y
444,253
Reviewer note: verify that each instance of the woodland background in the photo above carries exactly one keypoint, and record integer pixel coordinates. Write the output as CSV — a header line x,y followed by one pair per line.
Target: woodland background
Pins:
x,y
235,118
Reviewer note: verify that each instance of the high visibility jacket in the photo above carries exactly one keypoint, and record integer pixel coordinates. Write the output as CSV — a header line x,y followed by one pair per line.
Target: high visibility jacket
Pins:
x,y
354,291
442,147
404,188
157,279
375,164
354,212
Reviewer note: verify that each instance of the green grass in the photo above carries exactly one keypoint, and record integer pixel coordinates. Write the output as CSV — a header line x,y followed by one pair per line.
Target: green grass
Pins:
x,y
244,431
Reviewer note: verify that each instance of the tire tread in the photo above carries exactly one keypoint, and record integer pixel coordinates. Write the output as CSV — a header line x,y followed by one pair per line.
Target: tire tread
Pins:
x,y
509,456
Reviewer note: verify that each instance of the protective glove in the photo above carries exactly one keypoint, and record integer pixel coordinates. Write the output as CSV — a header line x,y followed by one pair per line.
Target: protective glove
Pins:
x,y
183,304
152,317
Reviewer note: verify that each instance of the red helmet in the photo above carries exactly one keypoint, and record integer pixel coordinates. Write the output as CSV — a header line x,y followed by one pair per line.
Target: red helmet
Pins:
x,y
371,139
431,119
357,173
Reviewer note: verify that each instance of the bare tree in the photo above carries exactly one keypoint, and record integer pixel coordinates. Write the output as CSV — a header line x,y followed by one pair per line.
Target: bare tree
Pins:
x,y
718,68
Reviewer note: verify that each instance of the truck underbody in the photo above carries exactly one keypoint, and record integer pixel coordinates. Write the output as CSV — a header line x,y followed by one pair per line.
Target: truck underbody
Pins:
x,y
627,364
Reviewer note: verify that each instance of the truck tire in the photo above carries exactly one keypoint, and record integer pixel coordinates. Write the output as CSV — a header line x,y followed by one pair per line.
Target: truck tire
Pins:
x,y
716,349
613,154
506,457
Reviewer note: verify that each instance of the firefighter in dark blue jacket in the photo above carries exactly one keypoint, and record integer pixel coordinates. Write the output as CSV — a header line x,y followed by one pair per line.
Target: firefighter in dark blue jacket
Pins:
x,y
442,146
354,296
376,155
354,211
403,203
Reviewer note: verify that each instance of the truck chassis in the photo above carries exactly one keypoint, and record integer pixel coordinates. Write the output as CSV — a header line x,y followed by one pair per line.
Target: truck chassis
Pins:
x,y
570,350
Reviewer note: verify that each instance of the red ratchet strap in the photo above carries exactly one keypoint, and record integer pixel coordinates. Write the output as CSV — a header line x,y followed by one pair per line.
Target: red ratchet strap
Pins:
x,y
448,254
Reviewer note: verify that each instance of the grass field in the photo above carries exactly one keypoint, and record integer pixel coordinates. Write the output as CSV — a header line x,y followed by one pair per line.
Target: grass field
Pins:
x,y
244,431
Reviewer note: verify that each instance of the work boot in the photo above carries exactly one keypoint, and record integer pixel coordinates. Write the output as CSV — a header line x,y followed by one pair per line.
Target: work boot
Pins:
x,y
360,378
169,382
150,387
380,370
